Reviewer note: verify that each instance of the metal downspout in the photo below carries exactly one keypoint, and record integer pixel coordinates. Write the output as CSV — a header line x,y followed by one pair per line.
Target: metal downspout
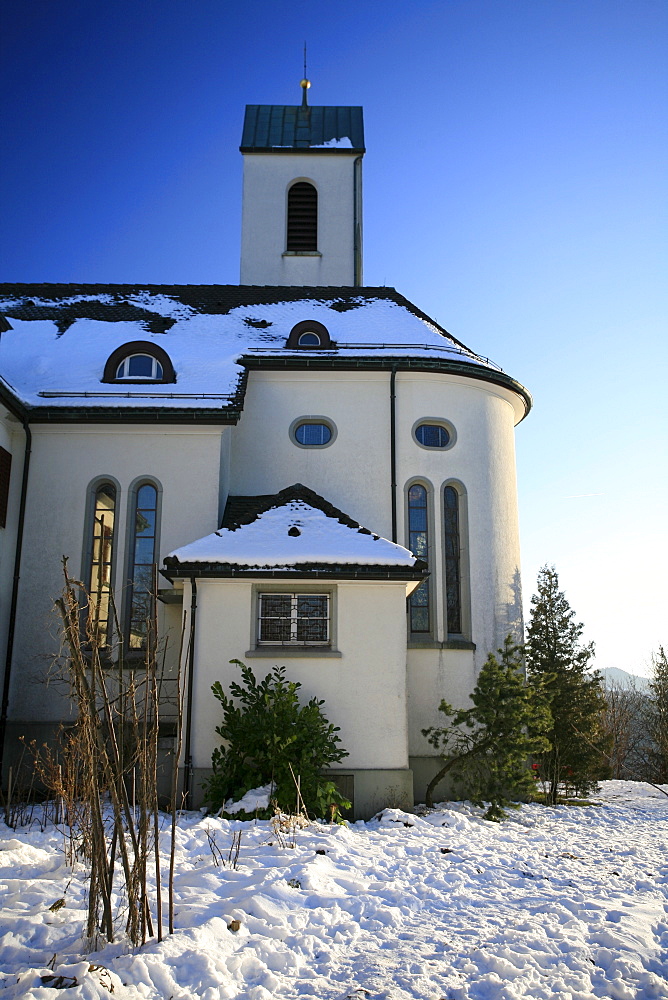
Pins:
x,y
393,450
188,770
357,221
15,592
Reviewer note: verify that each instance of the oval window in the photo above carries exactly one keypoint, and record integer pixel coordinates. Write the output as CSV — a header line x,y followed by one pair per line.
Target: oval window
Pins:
x,y
432,435
313,435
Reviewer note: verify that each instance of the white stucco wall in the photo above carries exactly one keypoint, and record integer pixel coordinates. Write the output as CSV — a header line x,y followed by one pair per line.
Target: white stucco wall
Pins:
x,y
12,439
354,474
266,179
364,689
186,463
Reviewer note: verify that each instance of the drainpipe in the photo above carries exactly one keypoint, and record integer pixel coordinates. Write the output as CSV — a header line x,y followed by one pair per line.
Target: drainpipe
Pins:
x,y
15,589
357,221
393,450
188,771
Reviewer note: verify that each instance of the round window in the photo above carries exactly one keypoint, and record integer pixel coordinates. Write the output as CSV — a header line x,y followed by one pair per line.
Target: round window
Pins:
x,y
312,435
434,434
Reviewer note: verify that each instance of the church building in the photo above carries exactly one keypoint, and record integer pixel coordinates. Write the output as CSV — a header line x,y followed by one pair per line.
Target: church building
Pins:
x,y
316,473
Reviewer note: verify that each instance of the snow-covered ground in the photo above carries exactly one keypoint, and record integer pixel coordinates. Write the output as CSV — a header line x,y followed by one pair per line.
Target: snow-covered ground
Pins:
x,y
561,903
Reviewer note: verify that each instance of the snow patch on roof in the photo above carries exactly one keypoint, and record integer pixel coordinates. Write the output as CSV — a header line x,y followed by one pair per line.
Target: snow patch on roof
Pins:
x,y
40,357
291,535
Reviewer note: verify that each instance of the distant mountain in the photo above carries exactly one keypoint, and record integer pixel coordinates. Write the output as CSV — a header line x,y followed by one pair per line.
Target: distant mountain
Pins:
x,y
622,677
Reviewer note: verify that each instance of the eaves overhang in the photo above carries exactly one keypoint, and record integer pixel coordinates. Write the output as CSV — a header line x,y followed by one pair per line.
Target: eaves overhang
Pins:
x,y
174,569
127,415
12,402
297,150
390,363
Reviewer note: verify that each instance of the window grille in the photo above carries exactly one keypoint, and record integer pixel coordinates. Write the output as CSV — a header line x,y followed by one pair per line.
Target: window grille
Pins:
x,y
302,217
293,619
418,543
453,585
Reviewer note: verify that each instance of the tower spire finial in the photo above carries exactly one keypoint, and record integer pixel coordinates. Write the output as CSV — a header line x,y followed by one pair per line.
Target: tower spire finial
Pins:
x,y
305,83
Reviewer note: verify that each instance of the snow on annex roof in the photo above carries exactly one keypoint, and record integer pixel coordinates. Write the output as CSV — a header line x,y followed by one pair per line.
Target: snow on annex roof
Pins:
x,y
57,338
293,531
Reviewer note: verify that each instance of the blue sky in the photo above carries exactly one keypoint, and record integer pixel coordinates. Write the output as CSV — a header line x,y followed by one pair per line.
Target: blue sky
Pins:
x,y
514,186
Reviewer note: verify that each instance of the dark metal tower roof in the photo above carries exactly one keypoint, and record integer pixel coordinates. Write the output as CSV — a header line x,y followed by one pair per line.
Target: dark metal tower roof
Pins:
x,y
282,126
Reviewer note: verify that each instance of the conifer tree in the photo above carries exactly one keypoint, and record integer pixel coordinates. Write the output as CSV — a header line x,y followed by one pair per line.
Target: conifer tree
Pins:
x,y
485,748
658,716
554,653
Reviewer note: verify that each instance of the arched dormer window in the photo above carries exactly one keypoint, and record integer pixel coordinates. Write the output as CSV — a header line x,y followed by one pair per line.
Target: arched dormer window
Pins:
x,y
139,361
302,227
309,336
140,366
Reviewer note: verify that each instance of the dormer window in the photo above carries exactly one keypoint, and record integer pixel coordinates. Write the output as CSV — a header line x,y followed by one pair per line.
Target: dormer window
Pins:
x,y
309,339
139,362
142,366
309,335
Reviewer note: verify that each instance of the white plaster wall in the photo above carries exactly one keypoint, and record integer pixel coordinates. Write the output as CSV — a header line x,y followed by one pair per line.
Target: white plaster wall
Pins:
x,y
364,690
435,674
353,473
266,180
12,439
483,461
185,461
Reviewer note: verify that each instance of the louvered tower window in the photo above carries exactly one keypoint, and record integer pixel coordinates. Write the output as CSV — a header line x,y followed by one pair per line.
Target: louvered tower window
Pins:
x,y
302,217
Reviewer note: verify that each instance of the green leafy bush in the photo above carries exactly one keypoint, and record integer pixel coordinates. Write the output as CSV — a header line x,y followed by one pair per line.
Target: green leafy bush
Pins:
x,y
269,737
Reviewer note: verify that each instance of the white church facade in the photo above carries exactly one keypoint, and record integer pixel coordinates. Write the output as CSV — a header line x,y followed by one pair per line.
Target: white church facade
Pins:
x,y
323,476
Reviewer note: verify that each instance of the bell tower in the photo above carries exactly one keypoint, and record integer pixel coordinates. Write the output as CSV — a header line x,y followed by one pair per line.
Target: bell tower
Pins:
x,y
302,194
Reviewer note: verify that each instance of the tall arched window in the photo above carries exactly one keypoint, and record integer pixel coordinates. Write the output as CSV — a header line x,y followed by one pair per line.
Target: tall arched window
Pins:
x,y
140,599
453,568
302,217
101,547
418,543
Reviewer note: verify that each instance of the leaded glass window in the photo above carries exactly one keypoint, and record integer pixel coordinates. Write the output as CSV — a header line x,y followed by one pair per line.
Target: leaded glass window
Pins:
x,y
453,583
143,553
418,543
99,583
293,619
432,435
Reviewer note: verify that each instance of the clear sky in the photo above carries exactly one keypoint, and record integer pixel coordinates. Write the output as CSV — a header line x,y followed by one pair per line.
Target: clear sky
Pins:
x,y
514,185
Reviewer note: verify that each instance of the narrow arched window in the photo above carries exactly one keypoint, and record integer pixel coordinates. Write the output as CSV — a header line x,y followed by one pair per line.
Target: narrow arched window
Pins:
x,y
99,581
302,232
140,606
453,569
418,543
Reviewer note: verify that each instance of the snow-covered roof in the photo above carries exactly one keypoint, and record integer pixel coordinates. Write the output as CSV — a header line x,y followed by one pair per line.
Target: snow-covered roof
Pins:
x,y
60,337
295,531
